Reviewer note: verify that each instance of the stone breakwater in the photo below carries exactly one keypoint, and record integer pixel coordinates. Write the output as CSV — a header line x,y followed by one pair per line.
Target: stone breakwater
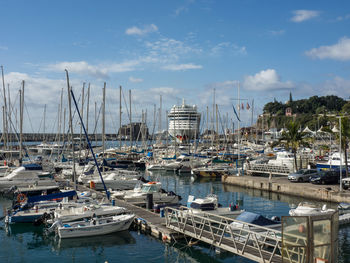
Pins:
x,y
281,185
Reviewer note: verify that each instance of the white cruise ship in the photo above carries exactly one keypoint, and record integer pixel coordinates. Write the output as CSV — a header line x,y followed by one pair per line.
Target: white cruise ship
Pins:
x,y
184,122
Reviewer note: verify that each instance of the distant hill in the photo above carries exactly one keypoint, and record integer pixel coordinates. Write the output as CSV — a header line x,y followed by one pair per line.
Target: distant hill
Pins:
x,y
313,112
313,105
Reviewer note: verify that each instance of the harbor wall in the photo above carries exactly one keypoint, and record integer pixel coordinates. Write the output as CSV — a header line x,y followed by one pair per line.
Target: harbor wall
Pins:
x,y
283,186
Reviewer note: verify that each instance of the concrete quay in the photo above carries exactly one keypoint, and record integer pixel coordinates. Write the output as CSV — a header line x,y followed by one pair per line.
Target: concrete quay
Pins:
x,y
281,185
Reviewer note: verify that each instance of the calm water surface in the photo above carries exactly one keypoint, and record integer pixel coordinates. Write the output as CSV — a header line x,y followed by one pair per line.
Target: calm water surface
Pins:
x,y
26,243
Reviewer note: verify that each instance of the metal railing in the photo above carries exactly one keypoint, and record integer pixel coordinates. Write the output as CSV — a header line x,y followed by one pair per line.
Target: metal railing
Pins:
x,y
254,242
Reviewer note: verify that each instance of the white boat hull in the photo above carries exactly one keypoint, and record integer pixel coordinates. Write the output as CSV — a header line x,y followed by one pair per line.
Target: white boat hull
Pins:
x,y
101,227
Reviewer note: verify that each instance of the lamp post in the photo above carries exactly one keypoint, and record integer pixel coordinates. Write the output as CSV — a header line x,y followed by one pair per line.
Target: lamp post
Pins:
x,y
340,163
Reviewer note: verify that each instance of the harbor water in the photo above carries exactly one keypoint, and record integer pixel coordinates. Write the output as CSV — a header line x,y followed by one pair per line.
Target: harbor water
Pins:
x,y
27,243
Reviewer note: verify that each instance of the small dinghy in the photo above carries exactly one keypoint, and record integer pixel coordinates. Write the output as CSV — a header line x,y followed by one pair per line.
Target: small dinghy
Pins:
x,y
94,226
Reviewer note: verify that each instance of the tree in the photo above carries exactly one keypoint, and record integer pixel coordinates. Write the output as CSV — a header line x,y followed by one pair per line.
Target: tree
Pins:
x,y
293,139
346,108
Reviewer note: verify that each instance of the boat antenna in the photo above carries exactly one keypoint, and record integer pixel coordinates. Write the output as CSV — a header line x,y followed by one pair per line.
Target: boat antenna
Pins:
x,y
89,144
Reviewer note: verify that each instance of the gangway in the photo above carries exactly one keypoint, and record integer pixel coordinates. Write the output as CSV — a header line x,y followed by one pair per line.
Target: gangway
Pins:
x,y
257,243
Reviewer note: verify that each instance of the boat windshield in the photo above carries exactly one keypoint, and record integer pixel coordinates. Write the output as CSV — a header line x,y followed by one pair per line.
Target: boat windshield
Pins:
x,y
149,188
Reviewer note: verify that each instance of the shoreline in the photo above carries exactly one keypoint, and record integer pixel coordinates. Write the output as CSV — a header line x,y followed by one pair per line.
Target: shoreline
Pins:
x,y
281,185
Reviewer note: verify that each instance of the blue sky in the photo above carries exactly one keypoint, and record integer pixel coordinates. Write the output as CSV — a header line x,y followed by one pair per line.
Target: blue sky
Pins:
x,y
177,49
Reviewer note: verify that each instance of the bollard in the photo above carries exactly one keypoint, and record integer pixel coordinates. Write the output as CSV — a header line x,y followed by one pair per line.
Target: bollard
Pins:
x,y
149,203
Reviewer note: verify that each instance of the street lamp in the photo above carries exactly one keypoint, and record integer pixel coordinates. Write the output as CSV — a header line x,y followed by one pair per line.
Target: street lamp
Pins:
x,y
340,155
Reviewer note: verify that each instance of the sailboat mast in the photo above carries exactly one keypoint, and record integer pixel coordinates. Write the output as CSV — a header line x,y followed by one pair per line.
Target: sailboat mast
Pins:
x,y
21,93
82,116
6,138
103,120
71,127
120,117
87,110
131,129
160,114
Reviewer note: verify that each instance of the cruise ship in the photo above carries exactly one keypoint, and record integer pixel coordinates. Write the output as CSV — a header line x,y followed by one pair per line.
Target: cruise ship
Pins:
x,y
184,122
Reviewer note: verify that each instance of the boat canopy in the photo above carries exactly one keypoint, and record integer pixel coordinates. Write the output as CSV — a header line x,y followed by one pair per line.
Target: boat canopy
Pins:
x,y
255,219
38,198
33,166
203,206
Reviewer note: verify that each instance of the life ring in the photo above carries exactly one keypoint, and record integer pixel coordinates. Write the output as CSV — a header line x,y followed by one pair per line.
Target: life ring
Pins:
x,y
21,198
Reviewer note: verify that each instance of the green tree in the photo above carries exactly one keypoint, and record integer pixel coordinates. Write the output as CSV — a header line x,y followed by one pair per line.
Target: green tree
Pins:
x,y
346,108
293,139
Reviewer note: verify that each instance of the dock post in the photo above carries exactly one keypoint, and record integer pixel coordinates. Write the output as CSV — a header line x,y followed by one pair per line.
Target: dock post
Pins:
x,y
149,203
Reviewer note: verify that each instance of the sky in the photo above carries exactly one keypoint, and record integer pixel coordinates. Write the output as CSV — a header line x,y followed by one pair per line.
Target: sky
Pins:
x,y
252,50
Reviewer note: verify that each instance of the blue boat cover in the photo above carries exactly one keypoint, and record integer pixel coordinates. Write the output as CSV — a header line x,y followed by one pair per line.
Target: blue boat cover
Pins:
x,y
255,219
38,198
33,166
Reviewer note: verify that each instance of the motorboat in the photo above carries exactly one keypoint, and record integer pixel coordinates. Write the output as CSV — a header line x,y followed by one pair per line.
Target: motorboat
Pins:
x,y
183,163
29,174
254,221
333,162
210,205
31,208
116,181
95,226
283,159
309,209
86,211
213,171
139,195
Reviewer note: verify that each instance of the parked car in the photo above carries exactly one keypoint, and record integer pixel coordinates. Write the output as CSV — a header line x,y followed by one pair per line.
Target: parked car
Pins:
x,y
326,177
345,183
303,175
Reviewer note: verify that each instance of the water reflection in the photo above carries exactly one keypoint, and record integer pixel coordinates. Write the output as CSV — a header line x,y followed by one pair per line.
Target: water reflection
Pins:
x,y
115,239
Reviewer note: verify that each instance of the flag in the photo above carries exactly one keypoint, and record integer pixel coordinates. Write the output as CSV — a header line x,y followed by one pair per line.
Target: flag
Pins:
x,y
248,107
234,110
242,106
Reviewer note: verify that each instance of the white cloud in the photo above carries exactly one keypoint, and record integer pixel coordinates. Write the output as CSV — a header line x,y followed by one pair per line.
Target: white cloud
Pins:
x,y
266,80
277,32
165,50
338,51
183,67
165,91
303,15
184,7
226,47
100,71
141,31
135,80
336,86
341,18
